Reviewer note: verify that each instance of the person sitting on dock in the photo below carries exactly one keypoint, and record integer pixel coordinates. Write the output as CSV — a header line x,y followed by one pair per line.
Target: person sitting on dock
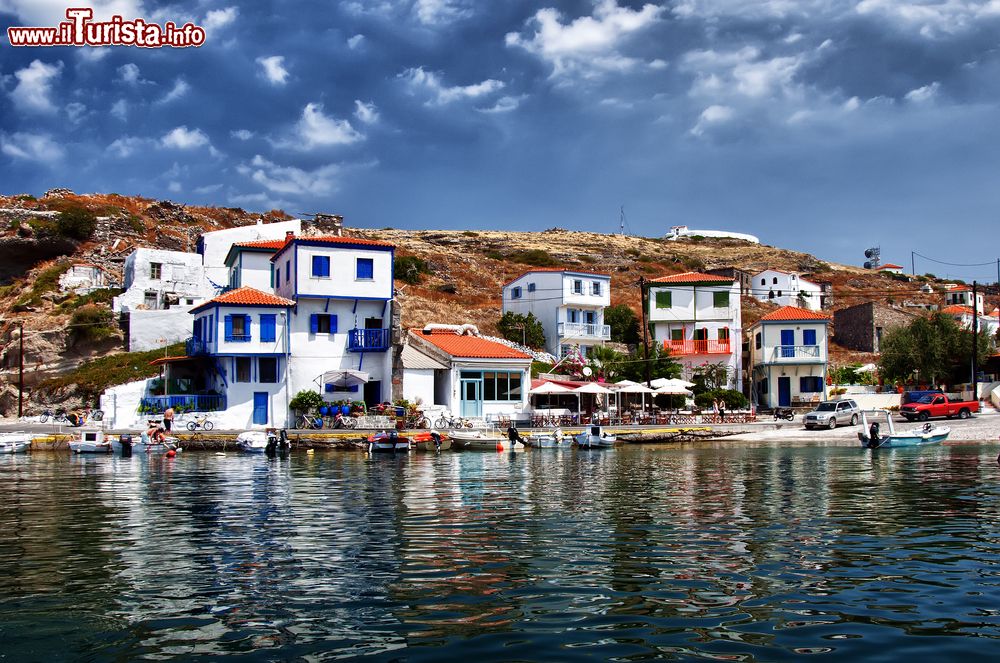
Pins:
x,y
513,435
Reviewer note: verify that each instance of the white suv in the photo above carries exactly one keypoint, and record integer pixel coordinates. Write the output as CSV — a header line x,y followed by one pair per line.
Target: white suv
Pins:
x,y
830,414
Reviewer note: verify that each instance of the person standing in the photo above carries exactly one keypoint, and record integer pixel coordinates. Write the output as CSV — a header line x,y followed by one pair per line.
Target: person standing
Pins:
x,y
168,419
722,410
715,409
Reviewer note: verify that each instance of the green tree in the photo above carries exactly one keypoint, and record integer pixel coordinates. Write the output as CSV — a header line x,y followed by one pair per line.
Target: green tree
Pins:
x,y
624,324
526,329
661,365
931,350
306,400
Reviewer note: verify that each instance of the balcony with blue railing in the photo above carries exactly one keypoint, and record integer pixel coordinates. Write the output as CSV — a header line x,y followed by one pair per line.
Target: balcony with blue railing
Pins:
x,y
796,354
368,340
185,402
195,346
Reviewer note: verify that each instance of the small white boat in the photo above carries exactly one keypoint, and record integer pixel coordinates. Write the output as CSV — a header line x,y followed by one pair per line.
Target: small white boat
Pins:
x,y
391,442
554,439
15,443
594,437
252,441
478,439
871,433
91,442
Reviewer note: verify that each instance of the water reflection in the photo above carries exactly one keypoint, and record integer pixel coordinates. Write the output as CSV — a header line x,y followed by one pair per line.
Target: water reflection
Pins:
x,y
759,553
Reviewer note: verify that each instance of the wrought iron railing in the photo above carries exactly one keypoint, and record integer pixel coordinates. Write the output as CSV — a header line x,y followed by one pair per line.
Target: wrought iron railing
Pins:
x,y
368,340
584,330
698,346
185,402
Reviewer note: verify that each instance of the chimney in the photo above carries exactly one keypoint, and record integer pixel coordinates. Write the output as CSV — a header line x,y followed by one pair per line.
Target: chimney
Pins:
x,y
289,235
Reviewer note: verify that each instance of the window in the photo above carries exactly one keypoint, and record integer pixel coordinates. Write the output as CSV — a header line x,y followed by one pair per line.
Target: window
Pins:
x,y
267,370
590,317
268,325
321,266
366,269
515,293
663,299
775,280
276,277
531,287
242,369
720,299
322,323
779,293
810,384
595,288
573,315
808,337
763,281
723,333
757,340
288,270
237,328
155,270
577,287
501,386
701,334
676,334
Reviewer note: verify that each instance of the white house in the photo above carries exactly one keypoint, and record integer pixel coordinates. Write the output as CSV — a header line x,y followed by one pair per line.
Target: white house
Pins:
x,y
697,317
326,326
964,316
788,355
682,232
213,247
83,277
787,289
890,267
569,303
249,263
481,378
961,295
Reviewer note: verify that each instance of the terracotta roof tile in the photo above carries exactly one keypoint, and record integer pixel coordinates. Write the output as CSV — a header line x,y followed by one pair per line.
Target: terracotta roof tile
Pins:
x,y
556,269
245,296
790,313
262,244
693,277
472,347
891,265
957,309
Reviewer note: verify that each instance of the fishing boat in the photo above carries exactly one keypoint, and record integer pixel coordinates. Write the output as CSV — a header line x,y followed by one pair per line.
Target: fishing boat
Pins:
x,y
387,442
429,441
480,439
554,439
873,436
14,443
145,445
252,441
91,442
594,437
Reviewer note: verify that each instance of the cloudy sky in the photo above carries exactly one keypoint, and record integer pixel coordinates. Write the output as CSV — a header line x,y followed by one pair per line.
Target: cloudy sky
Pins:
x,y
821,125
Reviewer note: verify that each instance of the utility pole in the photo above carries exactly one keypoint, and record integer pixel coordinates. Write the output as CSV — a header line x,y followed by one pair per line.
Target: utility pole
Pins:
x,y
645,329
913,264
975,342
20,370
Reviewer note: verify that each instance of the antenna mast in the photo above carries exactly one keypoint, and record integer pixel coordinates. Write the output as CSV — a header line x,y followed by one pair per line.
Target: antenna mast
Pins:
x,y
622,222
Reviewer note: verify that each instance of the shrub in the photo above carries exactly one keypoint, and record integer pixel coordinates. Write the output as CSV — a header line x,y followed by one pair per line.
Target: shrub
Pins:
x,y
734,399
306,400
470,233
75,221
91,323
102,296
410,269
493,255
534,257
47,280
519,328
91,378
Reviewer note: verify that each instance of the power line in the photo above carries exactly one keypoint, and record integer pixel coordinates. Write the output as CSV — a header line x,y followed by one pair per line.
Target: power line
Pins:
x,y
957,264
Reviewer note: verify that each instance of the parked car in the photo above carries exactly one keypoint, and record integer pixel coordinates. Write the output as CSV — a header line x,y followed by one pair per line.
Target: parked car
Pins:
x,y
830,414
938,405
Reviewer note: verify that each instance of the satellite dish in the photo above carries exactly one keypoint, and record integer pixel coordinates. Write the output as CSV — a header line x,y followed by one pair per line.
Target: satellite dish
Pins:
x,y
588,371
870,253
868,265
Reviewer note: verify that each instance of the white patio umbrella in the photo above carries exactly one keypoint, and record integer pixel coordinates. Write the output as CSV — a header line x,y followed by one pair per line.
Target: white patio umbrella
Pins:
x,y
589,388
659,383
550,388
635,389
343,378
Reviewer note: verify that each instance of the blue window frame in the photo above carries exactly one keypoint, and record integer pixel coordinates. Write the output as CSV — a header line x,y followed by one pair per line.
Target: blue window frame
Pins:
x,y
515,293
531,287
321,266
573,315
268,326
595,288
809,337
366,269
238,328
288,270
322,323
810,384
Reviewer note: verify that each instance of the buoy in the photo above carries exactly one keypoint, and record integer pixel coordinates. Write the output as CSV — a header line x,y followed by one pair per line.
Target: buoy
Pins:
x,y
499,447
171,453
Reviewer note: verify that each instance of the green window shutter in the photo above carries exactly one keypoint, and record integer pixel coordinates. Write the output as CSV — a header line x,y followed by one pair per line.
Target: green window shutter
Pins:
x,y
663,299
721,299
676,334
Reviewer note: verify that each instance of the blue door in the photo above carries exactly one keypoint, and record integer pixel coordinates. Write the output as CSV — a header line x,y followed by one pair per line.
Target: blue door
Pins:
x,y
784,391
787,342
472,398
260,407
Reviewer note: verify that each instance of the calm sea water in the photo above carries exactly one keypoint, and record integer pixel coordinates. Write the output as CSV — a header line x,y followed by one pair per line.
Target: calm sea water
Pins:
x,y
729,552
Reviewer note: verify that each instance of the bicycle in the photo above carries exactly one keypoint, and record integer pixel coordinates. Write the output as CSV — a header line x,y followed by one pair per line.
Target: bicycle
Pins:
x,y
417,420
200,422
308,422
58,416
343,421
448,421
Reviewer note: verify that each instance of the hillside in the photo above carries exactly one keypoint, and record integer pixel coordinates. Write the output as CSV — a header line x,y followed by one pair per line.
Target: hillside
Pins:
x,y
456,276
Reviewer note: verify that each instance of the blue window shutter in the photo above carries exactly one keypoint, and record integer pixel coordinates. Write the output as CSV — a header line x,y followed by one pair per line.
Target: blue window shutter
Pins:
x,y
229,327
808,337
288,270
366,268
317,265
333,324
326,265
246,327
314,323
267,327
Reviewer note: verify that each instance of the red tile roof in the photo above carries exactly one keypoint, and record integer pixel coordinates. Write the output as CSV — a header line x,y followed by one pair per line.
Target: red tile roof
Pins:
x,y
556,269
794,313
262,244
332,240
473,347
693,277
245,296
890,265
957,309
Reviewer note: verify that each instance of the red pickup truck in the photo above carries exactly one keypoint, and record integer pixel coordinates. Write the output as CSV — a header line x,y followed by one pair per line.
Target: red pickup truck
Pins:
x,y
938,405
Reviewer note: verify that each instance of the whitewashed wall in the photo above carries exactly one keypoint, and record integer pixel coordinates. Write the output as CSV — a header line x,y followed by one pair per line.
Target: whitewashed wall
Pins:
x,y
149,330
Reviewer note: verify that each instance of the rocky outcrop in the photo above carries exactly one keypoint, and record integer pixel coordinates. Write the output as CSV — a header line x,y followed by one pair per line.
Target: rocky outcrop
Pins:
x,y
19,254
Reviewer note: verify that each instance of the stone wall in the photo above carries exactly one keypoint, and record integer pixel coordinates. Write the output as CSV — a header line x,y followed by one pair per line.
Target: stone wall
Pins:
x,y
856,327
